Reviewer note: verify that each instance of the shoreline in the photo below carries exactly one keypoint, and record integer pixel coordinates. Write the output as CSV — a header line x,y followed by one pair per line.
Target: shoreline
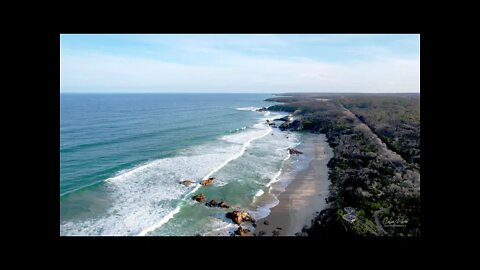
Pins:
x,y
304,196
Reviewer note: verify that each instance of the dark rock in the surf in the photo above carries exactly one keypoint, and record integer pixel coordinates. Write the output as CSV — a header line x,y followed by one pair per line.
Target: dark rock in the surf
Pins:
x,y
207,182
279,228
212,203
294,151
263,109
283,126
238,216
261,233
254,225
301,234
223,205
275,233
266,222
282,119
295,125
241,231
186,182
199,198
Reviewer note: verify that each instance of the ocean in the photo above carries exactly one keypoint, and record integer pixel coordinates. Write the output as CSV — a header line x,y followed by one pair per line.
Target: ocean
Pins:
x,y
122,157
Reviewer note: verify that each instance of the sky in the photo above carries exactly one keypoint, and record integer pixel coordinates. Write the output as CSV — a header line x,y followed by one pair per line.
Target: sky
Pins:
x,y
239,63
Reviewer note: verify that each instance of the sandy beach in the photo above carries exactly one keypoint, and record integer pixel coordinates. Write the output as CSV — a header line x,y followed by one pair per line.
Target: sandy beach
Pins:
x,y
305,196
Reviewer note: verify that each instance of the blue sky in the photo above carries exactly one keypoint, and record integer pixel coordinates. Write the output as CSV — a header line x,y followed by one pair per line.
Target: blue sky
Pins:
x,y
266,63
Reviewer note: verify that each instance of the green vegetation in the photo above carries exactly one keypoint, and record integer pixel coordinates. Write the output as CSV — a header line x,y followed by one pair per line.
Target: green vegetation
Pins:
x,y
395,120
365,174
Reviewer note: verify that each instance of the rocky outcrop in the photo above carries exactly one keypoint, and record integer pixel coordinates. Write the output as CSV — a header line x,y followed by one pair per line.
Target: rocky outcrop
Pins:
x,y
286,118
199,198
223,205
186,182
211,203
294,151
266,222
241,231
214,203
294,125
263,109
238,216
207,182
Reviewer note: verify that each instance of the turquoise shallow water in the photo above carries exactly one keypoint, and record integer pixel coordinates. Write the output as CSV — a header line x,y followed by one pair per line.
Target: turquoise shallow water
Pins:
x,y
122,156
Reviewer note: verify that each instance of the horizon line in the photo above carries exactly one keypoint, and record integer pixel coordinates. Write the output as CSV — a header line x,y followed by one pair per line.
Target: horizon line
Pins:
x,y
240,93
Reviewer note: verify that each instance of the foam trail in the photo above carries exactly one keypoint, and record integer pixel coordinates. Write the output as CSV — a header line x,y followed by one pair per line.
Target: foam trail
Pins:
x,y
160,223
275,177
264,211
172,214
239,129
245,145
258,194
247,109
80,188
127,172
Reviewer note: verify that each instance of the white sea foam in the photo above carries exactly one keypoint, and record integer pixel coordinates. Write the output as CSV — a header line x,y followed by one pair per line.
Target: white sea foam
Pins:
x,y
238,129
242,151
146,197
264,211
259,125
219,226
259,193
236,156
275,177
248,136
248,108
164,220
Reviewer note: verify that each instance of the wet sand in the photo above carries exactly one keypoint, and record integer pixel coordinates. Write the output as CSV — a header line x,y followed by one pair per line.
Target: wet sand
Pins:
x,y
305,196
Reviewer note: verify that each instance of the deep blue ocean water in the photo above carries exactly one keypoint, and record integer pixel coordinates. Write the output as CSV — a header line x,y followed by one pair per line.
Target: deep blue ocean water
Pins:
x,y
122,157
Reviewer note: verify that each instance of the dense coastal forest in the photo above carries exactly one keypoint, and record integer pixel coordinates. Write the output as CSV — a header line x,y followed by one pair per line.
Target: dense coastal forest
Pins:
x,y
375,171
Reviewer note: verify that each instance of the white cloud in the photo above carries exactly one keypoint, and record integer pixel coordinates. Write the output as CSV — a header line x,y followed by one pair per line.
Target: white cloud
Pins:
x,y
235,72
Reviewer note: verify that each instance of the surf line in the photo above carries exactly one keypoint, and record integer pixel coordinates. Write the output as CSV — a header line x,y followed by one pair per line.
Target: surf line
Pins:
x,y
177,209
